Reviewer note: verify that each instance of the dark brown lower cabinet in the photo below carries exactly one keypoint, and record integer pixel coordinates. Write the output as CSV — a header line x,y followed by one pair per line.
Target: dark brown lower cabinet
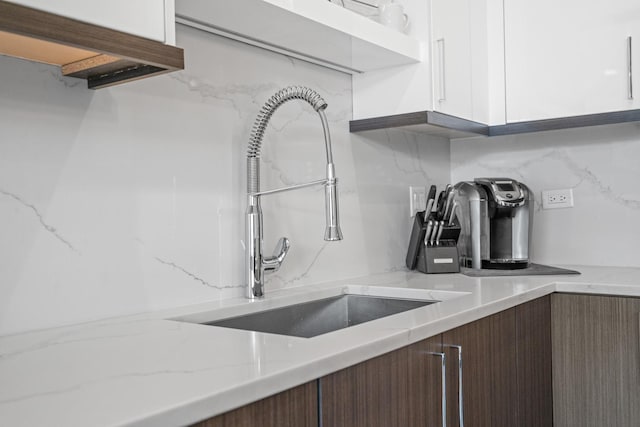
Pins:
x,y
489,375
596,361
370,394
505,382
294,407
533,343
425,382
504,359
506,369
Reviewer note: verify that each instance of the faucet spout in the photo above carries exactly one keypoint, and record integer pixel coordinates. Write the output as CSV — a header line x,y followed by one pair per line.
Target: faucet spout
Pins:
x,y
256,265
332,231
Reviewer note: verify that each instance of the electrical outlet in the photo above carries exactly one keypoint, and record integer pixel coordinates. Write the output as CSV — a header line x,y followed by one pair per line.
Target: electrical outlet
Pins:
x,y
556,199
417,199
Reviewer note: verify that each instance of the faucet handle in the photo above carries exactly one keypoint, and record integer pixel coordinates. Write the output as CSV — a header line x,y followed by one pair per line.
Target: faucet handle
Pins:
x,y
273,263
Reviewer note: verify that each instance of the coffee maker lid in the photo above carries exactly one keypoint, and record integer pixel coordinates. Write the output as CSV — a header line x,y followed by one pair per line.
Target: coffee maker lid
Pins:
x,y
505,192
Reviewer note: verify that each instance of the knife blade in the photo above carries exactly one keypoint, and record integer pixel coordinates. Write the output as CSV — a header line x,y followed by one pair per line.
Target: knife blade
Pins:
x,y
439,205
430,200
448,204
440,228
452,213
427,211
431,195
427,235
432,240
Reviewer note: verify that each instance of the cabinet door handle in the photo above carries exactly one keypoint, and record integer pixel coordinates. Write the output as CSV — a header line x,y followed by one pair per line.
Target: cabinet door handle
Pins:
x,y
442,86
444,386
629,69
460,400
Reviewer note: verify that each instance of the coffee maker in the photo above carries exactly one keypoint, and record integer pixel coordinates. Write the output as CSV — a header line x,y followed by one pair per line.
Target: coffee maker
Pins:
x,y
495,215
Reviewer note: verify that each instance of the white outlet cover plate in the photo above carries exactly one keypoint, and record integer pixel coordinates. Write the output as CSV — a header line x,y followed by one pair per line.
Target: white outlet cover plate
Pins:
x,y
557,199
417,199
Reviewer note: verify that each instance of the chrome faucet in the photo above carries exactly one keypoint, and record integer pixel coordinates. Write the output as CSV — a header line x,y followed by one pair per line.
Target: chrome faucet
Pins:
x,y
256,265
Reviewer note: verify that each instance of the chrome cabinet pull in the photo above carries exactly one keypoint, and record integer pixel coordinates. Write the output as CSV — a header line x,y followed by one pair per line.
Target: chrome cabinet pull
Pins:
x,y
460,400
629,69
442,86
444,386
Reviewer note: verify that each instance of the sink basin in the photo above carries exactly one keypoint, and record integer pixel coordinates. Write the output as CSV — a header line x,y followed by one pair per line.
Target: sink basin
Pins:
x,y
318,317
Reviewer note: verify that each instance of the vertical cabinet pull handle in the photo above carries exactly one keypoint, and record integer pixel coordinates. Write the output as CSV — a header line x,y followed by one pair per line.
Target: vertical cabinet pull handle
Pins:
x,y
442,96
629,69
460,400
444,386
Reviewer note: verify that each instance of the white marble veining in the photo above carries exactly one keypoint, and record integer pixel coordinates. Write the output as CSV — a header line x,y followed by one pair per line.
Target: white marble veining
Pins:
x,y
131,198
598,163
148,370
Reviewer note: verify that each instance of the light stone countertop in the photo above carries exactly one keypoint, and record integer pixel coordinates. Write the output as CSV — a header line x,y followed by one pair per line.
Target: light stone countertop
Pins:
x,y
149,370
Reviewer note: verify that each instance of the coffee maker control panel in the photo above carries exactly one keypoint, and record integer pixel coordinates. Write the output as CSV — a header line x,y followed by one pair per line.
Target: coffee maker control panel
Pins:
x,y
504,191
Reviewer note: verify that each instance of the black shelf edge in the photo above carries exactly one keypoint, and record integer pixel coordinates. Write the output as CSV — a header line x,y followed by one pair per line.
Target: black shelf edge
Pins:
x,y
428,118
385,122
609,118
433,122
457,124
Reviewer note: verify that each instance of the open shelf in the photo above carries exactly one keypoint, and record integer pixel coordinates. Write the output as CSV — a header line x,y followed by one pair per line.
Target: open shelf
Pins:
x,y
435,123
314,30
430,122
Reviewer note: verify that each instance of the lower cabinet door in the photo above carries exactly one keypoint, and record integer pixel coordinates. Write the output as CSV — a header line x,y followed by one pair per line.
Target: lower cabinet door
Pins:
x,y
533,344
402,388
373,393
481,366
596,361
294,407
427,383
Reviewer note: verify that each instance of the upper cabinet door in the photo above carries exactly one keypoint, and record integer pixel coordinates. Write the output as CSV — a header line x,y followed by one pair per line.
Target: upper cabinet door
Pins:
x,y
152,19
451,56
467,54
569,57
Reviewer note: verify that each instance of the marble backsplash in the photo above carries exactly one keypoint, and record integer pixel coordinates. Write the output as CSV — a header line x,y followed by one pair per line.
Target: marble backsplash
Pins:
x,y
599,163
131,198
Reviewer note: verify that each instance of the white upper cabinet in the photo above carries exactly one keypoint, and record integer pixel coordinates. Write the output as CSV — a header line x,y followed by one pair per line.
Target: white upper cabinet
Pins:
x,y
567,58
451,23
463,71
151,19
507,63
468,56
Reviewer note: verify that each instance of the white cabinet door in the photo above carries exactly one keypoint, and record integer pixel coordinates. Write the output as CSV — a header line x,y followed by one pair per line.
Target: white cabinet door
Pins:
x,y
467,45
451,57
463,71
152,19
569,57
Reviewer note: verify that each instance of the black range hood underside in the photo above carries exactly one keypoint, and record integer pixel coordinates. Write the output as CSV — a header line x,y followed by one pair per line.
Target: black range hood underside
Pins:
x,y
103,56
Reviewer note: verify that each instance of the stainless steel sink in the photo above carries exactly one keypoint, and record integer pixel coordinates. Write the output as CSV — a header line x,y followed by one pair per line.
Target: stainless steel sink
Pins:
x,y
321,316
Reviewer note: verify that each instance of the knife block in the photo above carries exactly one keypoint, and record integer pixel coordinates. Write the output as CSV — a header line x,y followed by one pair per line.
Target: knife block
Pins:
x,y
441,257
416,240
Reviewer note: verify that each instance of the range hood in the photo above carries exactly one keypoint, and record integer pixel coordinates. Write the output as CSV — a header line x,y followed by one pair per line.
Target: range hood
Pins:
x,y
103,56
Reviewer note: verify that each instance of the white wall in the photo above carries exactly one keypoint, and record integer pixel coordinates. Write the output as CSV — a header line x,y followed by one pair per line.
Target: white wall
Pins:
x,y
599,163
131,198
